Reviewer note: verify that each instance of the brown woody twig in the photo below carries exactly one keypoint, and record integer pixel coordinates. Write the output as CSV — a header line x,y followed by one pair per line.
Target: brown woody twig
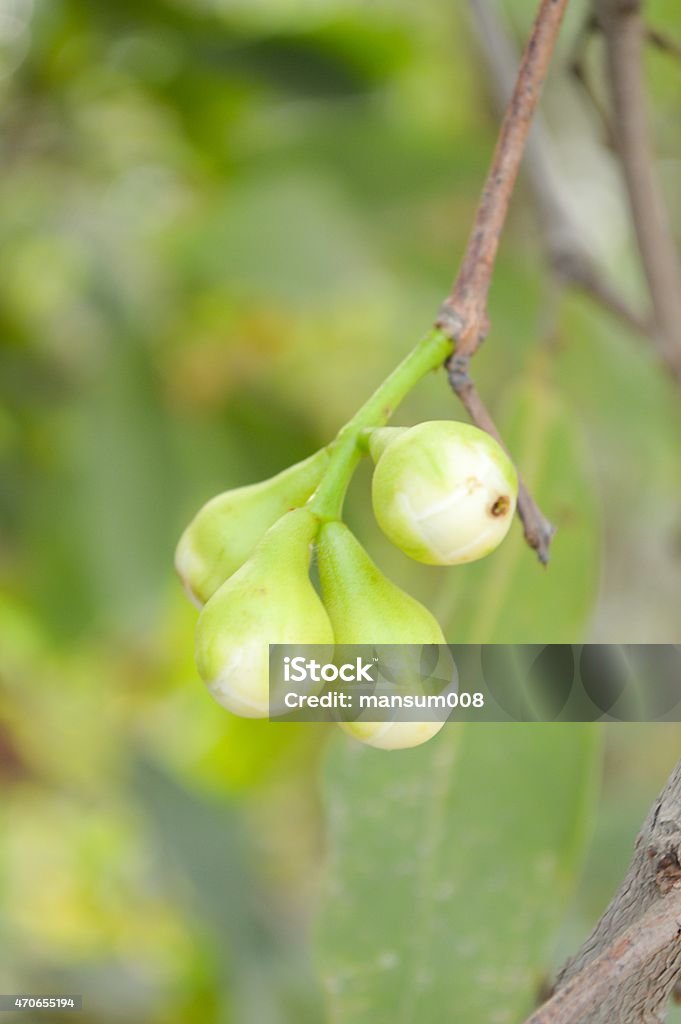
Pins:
x,y
625,33
467,301
537,529
463,315
568,256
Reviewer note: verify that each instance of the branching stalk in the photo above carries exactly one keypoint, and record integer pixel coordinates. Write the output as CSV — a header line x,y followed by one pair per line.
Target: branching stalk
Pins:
x,y
348,447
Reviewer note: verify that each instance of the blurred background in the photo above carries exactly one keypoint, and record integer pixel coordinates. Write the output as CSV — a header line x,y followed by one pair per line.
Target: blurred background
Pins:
x,y
223,222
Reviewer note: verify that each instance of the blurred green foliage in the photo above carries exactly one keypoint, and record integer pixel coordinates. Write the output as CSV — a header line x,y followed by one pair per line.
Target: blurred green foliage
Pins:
x,y
223,223
425,909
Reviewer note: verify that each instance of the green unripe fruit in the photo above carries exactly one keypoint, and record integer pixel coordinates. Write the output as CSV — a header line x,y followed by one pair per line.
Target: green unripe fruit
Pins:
x,y
392,735
444,492
225,531
366,608
269,600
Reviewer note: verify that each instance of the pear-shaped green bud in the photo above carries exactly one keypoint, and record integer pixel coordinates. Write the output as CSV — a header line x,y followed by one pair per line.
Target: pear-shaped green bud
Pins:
x,y
367,608
381,437
269,600
364,606
444,492
225,531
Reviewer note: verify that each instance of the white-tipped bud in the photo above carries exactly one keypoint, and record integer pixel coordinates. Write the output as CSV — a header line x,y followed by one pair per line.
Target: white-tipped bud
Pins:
x,y
392,735
367,608
269,600
444,492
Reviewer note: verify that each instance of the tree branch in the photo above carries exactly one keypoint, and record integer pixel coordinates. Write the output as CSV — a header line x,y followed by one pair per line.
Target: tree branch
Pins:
x,y
629,966
537,529
465,308
625,33
567,254
663,43
463,315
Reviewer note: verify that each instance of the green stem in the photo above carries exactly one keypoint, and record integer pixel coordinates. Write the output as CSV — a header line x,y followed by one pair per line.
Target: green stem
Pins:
x,y
346,450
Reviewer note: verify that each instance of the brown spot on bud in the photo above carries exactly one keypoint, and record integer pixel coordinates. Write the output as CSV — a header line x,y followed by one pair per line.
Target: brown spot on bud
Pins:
x,y
501,506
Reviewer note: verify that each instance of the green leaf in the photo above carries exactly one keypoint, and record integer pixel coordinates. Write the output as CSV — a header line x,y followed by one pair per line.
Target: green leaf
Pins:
x,y
449,871
508,597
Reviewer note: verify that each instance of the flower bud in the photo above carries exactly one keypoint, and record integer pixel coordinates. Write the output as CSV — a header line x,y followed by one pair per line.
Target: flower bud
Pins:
x,y
444,492
381,437
367,608
364,606
225,531
392,735
269,600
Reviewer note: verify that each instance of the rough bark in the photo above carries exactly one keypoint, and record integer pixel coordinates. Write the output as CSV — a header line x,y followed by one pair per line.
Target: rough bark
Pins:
x,y
628,967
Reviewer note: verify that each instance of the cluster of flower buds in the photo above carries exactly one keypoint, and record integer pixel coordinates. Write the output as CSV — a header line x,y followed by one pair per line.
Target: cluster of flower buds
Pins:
x,y
443,492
